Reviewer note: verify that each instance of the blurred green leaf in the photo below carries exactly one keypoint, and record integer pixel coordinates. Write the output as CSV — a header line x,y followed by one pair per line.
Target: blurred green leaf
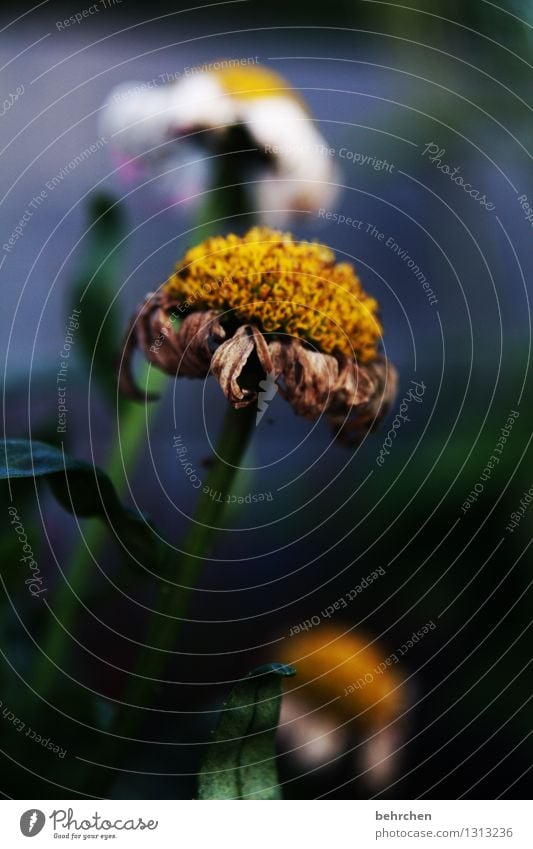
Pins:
x,y
82,489
93,291
241,759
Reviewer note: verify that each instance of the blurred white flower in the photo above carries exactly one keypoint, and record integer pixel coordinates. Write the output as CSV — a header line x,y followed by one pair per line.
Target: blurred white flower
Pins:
x,y
166,132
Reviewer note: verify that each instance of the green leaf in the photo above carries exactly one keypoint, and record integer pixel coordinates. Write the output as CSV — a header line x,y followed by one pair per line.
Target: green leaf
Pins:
x,y
80,488
94,291
241,759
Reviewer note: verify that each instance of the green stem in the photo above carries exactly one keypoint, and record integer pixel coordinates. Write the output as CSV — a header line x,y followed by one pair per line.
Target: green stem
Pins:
x,y
174,598
221,204
55,646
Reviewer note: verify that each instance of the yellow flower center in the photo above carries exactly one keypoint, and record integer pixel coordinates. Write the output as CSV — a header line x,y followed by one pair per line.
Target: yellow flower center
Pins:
x,y
344,674
254,81
282,286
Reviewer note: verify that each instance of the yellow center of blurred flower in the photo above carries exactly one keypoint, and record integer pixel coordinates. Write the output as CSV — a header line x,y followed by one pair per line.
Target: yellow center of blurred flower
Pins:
x,y
344,674
283,286
254,81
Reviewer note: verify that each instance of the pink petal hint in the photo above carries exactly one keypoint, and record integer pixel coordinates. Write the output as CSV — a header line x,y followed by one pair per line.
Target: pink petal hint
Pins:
x,y
130,170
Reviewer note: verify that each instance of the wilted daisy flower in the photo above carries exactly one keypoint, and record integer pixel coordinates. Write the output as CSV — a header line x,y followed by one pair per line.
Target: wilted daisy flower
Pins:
x,y
263,308
214,108
347,696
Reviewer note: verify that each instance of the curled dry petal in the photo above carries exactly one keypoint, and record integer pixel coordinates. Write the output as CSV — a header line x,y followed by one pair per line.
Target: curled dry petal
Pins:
x,y
316,383
239,364
353,396
367,417
179,347
198,336
308,377
229,362
355,386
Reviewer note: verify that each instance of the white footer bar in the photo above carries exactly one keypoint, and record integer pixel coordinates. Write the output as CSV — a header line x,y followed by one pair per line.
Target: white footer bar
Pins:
x,y
266,825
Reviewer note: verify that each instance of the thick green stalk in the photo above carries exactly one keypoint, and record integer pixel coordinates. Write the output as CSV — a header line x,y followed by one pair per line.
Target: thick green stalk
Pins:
x,y
183,570
175,592
222,205
123,455
220,202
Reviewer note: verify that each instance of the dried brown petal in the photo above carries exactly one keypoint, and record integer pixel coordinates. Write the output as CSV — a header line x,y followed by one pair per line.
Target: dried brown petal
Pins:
x,y
367,417
316,383
355,386
308,376
354,397
136,336
180,350
199,335
262,349
386,379
229,362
